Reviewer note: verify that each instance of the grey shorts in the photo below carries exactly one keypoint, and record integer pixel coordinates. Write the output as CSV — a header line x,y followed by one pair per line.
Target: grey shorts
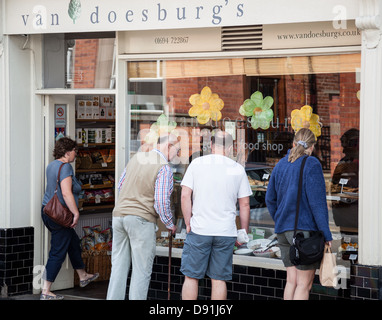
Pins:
x,y
207,255
285,240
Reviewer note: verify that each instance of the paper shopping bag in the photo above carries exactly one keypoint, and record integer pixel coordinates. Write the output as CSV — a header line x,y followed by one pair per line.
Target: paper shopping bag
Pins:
x,y
328,269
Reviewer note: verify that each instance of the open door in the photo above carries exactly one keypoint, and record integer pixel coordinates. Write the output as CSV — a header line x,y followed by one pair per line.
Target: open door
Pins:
x,y
59,111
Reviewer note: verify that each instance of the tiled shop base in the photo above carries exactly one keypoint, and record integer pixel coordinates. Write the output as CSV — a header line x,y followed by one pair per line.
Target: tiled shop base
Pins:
x,y
366,282
248,283
16,261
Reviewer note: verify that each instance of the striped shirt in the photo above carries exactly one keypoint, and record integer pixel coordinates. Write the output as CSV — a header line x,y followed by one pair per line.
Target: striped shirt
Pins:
x,y
162,195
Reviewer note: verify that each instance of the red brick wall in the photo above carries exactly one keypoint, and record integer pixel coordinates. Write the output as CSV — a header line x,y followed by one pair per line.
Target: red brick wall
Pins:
x,y
229,88
85,63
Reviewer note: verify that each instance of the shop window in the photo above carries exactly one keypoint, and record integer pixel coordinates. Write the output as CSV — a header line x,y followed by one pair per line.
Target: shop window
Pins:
x,y
161,91
74,61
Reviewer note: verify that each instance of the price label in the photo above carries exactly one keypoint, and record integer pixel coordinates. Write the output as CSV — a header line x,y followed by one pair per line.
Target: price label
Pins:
x,y
265,176
343,181
164,234
180,236
353,257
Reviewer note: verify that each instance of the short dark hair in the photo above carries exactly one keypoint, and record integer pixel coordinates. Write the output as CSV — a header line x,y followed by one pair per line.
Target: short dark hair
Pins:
x,y
63,146
222,139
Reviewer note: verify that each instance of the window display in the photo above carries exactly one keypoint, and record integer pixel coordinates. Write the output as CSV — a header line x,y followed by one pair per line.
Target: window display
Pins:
x,y
262,103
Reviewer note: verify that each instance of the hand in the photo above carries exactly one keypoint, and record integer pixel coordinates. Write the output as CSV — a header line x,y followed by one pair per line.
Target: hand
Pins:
x,y
75,220
329,243
238,244
173,230
188,229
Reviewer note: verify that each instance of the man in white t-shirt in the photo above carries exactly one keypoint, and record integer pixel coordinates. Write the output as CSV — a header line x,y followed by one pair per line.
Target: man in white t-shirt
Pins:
x,y
211,188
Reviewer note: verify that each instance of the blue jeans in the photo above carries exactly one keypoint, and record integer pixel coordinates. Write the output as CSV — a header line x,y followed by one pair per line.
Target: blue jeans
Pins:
x,y
134,242
63,241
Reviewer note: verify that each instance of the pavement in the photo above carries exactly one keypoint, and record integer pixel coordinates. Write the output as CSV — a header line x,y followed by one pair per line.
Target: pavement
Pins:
x,y
94,291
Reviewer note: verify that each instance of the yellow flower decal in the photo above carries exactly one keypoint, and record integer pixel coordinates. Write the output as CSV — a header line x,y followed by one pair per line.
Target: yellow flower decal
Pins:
x,y
161,126
305,118
206,106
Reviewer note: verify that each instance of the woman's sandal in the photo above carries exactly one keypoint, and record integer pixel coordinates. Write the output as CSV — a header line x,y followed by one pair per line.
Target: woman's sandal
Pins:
x,y
84,283
50,297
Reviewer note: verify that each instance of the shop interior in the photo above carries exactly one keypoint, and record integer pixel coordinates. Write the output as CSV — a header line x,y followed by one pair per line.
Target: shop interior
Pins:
x,y
193,99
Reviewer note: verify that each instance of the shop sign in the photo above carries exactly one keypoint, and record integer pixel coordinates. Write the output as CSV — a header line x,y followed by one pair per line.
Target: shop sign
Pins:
x,y
173,40
314,34
60,121
60,115
58,16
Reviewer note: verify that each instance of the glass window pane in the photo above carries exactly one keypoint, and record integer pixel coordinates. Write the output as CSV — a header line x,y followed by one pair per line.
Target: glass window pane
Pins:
x,y
73,63
328,84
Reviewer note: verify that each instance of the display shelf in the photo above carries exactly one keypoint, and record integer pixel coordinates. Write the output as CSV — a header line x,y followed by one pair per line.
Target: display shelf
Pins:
x,y
97,186
90,154
85,145
97,207
95,170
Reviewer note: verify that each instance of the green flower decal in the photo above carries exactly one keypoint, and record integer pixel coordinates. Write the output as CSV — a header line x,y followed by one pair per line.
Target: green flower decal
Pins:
x,y
258,109
74,10
161,126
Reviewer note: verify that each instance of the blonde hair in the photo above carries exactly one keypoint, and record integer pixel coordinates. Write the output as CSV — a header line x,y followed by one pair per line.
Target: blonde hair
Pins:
x,y
303,140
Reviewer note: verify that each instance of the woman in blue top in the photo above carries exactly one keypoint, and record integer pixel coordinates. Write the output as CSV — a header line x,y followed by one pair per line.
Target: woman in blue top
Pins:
x,y
313,215
63,240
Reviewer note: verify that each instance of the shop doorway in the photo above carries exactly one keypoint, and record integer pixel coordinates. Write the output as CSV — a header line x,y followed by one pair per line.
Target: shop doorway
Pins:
x,y
54,126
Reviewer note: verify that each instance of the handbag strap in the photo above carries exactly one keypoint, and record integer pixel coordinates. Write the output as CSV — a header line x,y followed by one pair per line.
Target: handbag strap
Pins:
x,y
299,194
58,177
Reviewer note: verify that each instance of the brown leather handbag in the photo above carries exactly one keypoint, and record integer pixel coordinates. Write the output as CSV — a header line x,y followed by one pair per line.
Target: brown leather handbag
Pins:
x,y
56,211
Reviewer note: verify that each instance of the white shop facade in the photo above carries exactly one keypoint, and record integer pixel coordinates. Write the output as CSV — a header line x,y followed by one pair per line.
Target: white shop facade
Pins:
x,y
84,66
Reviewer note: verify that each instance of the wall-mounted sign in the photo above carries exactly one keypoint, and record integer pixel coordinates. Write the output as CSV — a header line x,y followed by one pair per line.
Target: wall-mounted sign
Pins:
x,y
60,115
59,121
58,16
174,40
313,34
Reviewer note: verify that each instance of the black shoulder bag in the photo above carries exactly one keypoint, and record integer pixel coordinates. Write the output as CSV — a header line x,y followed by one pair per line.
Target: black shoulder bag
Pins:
x,y
305,250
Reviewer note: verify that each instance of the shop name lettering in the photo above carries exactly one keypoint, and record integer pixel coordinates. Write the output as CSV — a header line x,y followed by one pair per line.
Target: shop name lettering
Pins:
x,y
159,13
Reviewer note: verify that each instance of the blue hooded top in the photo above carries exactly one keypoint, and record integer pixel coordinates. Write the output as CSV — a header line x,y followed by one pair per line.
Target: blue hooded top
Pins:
x,y
282,191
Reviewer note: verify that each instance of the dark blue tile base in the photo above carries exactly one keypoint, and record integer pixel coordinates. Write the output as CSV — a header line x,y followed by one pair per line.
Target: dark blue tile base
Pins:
x,y
16,261
248,283
366,282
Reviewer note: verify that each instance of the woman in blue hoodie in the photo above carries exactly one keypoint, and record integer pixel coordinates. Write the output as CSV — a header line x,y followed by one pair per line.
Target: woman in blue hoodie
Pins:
x,y
313,216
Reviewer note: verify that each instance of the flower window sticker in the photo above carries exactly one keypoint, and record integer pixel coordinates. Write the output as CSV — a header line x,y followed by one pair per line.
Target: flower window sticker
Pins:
x,y
161,126
305,118
258,109
206,106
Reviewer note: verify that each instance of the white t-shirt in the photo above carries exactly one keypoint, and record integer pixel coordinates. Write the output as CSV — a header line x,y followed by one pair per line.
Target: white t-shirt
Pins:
x,y
217,182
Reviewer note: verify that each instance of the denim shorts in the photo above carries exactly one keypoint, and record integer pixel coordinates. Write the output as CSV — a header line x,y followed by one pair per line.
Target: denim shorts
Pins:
x,y
207,255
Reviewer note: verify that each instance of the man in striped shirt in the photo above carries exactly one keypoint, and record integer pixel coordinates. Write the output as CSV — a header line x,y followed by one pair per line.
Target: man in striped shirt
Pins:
x,y
163,191
144,195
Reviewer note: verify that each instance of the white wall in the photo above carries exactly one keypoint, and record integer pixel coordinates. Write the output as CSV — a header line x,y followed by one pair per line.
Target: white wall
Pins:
x,y
4,143
21,132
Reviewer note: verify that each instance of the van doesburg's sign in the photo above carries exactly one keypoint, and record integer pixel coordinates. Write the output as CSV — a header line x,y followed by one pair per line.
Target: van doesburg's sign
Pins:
x,y
56,16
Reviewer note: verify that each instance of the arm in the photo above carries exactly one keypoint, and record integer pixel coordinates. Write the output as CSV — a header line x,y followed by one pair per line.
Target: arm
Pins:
x,y
162,197
186,205
67,194
244,213
317,199
271,196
